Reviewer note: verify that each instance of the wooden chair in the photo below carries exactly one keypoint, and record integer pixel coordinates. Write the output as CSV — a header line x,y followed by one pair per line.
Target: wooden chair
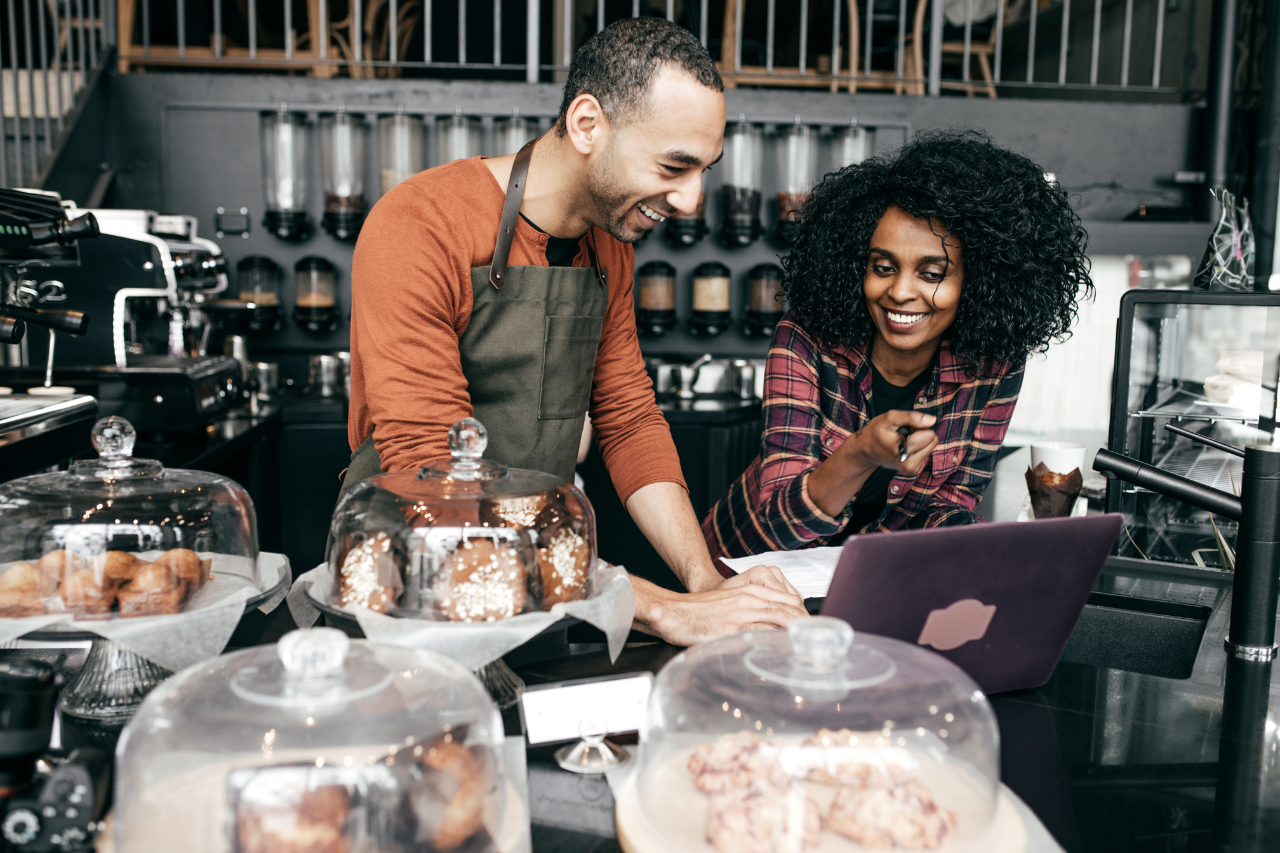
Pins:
x,y
954,50
306,46
756,75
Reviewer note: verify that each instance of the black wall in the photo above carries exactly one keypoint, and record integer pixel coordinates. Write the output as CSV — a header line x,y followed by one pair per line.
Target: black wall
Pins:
x,y
190,143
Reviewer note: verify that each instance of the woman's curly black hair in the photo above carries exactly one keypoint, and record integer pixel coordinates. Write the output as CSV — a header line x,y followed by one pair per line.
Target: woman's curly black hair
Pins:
x,y
1022,245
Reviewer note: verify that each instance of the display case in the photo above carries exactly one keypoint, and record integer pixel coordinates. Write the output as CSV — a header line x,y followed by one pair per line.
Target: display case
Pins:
x,y
1204,362
814,738
117,536
462,541
316,743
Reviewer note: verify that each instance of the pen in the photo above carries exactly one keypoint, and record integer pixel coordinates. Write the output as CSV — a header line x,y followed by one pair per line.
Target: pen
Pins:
x,y
903,432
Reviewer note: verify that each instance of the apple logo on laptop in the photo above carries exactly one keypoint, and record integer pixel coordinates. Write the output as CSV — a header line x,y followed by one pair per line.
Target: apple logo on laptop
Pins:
x,y
956,624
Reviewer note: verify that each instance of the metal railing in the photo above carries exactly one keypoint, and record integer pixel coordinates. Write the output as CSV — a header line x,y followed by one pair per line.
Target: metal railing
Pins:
x,y
918,47
51,51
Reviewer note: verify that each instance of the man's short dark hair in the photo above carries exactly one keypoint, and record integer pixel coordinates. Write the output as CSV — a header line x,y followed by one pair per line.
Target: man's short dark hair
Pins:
x,y
617,66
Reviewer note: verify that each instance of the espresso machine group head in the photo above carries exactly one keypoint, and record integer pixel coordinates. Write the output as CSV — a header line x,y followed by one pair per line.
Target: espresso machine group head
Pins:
x,y
35,232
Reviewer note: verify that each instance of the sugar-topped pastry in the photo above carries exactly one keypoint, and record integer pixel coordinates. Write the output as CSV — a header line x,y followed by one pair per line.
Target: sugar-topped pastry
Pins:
x,y
483,580
562,567
362,579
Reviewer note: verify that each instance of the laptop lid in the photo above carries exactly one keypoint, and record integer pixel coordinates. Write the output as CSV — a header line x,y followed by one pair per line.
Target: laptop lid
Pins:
x,y
998,600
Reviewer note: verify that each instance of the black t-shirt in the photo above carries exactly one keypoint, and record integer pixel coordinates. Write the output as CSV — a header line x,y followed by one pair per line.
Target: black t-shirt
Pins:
x,y
885,397
560,250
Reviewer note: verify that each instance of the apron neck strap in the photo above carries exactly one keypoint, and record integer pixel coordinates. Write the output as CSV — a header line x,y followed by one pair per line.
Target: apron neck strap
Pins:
x,y
511,213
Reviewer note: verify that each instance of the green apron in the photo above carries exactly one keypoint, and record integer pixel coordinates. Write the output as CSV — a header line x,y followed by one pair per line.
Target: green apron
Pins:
x,y
528,354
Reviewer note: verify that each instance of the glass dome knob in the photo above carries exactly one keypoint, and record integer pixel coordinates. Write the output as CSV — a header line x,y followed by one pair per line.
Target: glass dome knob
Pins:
x,y
467,441
113,438
820,642
313,652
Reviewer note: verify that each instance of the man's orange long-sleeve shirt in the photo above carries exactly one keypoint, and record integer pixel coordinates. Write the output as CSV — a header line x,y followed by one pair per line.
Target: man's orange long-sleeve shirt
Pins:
x,y
411,301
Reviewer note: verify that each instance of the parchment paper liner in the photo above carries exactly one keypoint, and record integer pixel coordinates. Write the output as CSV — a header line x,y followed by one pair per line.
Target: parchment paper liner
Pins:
x,y
611,607
179,640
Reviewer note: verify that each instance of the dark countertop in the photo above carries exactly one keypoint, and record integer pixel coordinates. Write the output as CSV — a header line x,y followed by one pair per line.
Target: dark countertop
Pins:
x,y
1108,760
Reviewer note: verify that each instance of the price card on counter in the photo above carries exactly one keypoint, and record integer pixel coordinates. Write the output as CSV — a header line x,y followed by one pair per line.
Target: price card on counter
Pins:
x,y
565,710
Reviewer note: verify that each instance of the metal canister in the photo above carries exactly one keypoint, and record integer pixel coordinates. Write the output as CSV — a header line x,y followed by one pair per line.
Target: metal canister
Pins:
x,y
324,376
267,374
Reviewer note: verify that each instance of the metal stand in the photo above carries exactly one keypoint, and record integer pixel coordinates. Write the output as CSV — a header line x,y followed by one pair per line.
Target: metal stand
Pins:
x,y
503,685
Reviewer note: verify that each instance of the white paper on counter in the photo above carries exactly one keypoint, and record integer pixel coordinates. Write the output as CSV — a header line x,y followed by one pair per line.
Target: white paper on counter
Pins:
x,y
179,640
611,608
810,570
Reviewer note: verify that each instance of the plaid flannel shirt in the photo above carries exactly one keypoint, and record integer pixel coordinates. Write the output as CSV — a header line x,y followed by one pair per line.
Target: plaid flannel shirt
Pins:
x,y
815,397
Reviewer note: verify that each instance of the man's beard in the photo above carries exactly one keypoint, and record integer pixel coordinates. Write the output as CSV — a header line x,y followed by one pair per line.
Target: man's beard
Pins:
x,y
612,202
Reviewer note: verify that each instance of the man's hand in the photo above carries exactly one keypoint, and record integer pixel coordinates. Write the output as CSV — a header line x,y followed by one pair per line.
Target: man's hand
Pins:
x,y
770,576
739,604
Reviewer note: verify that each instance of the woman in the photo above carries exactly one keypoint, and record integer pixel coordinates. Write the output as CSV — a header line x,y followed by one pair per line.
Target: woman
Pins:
x,y
918,284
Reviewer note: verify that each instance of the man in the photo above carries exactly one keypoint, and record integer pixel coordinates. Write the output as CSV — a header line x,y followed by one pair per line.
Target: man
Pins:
x,y
503,288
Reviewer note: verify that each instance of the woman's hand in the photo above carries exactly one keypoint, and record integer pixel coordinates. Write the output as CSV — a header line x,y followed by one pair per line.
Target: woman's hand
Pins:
x,y
877,442
841,476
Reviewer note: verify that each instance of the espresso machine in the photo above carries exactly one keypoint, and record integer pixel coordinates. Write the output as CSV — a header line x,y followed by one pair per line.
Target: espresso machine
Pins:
x,y
37,239
146,358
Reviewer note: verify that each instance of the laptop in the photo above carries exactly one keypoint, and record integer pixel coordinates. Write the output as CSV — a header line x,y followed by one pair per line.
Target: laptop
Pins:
x,y
998,600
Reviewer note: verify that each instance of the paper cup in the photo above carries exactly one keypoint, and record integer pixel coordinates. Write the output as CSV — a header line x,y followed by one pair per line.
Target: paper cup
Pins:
x,y
1060,457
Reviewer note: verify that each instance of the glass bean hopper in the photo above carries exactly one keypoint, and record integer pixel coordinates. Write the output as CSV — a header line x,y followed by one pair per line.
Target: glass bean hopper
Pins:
x,y
457,137
797,173
510,133
851,144
316,743
315,306
342,166
740,194
814,738
284,174
399,147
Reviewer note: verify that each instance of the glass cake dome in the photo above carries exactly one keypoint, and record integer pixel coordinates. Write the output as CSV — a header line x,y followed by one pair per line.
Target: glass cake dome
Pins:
x,y
119,536
316,743
812,738
465,541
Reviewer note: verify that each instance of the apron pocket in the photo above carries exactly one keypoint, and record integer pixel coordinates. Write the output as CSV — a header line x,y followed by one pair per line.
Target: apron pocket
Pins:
x,y
568,366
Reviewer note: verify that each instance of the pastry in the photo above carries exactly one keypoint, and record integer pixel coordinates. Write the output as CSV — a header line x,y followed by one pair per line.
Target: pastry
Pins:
x,y
360,582
282,810
519,513
186,565
15,604
483,580
56,564
86,591
562,567
735,761
27,579
459,784
902,814
837,762
154,591
763,817
117,566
